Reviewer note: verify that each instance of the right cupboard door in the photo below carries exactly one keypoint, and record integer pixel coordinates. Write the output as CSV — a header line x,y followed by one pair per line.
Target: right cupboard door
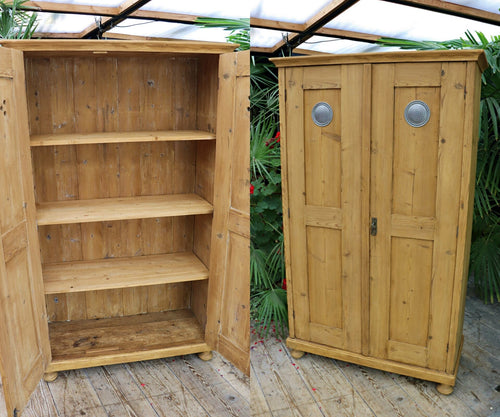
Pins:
x,y
415,190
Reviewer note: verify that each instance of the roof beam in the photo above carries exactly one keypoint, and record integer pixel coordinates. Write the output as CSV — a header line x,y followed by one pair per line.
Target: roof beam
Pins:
x,y
47,6
299,27
126,8
452,9
325,15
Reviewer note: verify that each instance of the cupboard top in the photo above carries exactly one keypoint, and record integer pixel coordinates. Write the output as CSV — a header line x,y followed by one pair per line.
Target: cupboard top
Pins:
x,y
385,57
72,46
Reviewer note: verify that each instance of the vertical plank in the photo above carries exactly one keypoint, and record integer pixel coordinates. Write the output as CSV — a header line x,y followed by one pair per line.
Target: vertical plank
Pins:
x,y
381,186
365,207
469,161
293,146
352,235
450,153
285,190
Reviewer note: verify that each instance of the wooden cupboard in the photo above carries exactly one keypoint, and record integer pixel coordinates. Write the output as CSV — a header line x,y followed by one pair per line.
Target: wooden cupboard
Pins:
x,y
378,166
124,206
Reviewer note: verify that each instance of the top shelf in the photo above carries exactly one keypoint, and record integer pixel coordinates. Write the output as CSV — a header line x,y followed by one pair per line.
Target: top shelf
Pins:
x,y
119,137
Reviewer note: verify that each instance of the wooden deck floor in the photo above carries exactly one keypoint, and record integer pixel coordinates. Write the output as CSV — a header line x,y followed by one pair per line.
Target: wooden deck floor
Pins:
x,y
180,386
317,386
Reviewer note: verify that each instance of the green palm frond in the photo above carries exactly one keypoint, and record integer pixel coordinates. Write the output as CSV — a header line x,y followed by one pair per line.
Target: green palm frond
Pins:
x,y
16,20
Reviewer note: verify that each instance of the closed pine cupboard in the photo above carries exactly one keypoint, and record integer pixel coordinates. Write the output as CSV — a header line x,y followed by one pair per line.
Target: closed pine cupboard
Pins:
x,y
124,206
378,161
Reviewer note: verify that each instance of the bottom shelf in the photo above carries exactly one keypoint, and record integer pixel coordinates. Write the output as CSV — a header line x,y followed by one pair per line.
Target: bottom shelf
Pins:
x,y
86,343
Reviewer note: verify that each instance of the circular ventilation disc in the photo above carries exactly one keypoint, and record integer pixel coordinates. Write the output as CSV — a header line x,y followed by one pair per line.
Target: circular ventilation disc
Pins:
x,y
322,114
417,113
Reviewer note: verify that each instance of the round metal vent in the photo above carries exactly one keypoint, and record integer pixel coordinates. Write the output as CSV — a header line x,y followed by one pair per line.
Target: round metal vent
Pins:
x,y
417,113
322,114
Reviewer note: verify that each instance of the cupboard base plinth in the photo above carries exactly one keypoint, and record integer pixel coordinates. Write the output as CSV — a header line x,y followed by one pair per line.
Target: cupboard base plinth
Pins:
x,y
50,376
206,356
443,378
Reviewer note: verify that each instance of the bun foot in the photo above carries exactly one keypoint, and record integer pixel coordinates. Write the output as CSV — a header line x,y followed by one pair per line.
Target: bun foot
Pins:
x,y
296,354
50,376
205,356
444,389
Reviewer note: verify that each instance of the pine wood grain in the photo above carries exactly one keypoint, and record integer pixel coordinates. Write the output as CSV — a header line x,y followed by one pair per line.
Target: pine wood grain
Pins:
x,y
124,208
119,137
85,343
122,272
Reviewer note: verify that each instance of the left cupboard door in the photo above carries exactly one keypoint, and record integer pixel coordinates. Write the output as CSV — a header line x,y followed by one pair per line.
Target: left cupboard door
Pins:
x,y
24,338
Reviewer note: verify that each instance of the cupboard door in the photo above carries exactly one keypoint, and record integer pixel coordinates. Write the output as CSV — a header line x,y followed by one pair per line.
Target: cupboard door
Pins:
x,y
24,340
325,185
228,326
415,184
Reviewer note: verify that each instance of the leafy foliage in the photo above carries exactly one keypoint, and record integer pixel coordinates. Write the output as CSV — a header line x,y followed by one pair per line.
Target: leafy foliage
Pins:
x,y
15,21
267,269
239,29
485,247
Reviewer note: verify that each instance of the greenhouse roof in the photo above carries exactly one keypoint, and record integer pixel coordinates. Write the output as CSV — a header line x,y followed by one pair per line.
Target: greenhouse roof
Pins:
x,y
336,26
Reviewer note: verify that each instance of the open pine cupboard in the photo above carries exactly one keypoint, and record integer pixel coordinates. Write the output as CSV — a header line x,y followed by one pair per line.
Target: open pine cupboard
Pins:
x,y
378,167
124,205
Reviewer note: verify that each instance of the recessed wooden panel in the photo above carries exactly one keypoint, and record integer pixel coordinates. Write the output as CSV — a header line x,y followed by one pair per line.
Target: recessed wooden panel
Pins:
x,y
324,262
322,149
415,155
410,290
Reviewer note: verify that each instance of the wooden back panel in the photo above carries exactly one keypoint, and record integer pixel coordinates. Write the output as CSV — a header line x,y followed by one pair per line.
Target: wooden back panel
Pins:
x,y
83,94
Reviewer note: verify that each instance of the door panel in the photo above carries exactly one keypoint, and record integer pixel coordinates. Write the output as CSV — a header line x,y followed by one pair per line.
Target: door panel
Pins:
x,y
228,322
414,196
24,341
324,192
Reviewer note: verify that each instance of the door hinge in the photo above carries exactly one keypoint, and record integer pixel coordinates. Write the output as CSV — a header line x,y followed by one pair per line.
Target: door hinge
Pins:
x,y
373,226
16,412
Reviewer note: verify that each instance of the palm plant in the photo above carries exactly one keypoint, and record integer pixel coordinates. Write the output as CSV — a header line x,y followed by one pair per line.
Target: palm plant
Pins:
x,y
485,247
16,22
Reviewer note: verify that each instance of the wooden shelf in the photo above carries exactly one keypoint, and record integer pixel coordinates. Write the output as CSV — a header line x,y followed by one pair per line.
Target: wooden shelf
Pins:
x,y
85,343
124,208
127,272
119,137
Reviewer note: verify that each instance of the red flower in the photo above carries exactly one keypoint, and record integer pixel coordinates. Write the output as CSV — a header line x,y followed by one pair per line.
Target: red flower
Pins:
x,y
251,188
278,140
283,284
278,135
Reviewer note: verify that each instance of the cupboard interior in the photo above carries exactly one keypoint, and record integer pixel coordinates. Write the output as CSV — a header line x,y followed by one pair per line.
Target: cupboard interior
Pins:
x,y
142,257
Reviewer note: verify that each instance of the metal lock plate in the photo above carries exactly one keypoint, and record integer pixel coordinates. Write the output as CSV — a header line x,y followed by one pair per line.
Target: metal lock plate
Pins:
x,y
322,114
417,113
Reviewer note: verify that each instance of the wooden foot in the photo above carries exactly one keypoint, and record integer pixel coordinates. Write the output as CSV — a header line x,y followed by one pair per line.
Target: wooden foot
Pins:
x,y
50,376
296,354
205,356
444,389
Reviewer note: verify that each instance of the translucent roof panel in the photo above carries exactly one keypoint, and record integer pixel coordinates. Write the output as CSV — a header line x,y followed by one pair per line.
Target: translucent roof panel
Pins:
x,y
372,17
151,28
63,23
488,5
296,11
265,38
228,9
398,21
